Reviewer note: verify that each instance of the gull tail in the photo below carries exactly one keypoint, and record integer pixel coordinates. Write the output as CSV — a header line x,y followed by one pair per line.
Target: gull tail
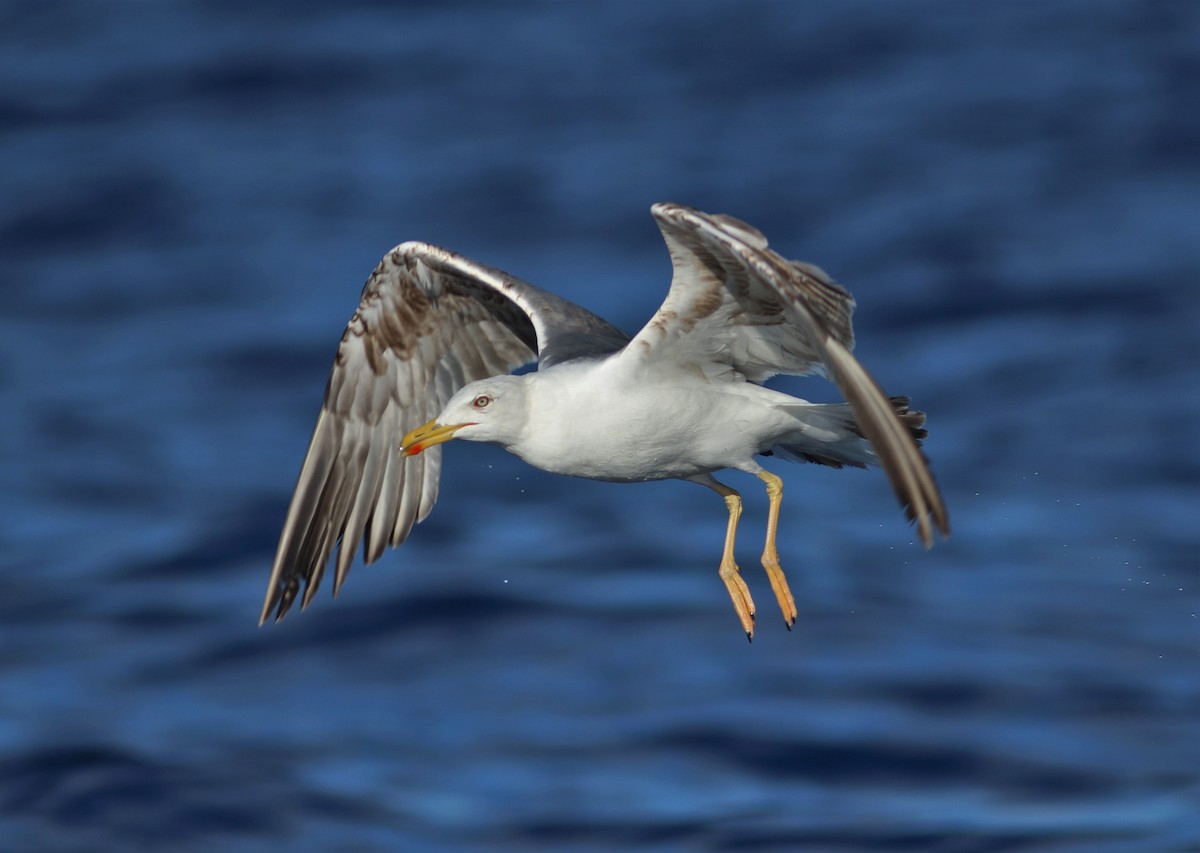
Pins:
x,y
829,434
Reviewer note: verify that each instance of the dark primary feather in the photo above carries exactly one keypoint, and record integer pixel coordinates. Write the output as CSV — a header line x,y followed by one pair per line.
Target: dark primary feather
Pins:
x,y
429,322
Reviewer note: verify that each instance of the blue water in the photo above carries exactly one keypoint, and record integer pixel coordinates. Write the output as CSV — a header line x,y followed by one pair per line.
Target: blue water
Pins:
x,y
191,196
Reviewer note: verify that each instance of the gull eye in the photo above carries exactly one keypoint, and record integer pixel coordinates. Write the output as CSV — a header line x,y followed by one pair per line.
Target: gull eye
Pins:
x,y
481,402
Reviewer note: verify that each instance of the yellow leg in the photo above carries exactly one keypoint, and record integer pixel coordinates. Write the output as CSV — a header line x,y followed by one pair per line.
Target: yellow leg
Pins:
x,y
770,557
738,591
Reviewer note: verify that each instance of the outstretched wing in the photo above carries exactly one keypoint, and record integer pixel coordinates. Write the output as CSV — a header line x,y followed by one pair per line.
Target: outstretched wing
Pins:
x,y
736,304
429,322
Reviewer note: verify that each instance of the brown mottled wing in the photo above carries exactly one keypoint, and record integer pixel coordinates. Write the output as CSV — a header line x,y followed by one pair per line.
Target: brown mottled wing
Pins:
x,y
735,303
429,322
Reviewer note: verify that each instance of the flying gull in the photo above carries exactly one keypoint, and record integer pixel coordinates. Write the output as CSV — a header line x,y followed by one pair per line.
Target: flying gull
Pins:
x,y
428,355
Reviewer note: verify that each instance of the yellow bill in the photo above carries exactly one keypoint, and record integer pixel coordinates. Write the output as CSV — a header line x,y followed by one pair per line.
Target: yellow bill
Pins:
x,y
427,436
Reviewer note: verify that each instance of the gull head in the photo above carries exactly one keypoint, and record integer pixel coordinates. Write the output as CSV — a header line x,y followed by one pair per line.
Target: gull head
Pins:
x,y
491,410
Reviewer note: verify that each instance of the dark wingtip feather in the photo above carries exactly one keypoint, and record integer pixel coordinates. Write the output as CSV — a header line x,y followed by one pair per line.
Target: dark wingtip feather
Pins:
x,y
888,426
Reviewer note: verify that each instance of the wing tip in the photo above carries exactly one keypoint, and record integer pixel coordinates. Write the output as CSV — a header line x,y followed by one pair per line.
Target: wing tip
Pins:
x,y
269,604
273,595
933,517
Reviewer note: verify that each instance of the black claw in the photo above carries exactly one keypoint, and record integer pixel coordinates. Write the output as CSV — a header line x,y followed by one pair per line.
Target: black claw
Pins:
x,y
749,636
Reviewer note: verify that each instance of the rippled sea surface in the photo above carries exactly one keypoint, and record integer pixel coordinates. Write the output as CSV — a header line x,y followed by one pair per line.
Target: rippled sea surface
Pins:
x,y
191,196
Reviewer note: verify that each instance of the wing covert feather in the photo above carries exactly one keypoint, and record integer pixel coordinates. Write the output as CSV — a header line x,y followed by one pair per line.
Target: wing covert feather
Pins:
x,y
735,302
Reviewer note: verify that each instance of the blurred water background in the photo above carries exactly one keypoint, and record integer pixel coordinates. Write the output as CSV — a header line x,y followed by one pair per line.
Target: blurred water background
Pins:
x,y
191,195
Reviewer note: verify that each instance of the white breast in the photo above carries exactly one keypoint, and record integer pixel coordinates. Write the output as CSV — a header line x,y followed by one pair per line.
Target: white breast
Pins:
x,y
588,420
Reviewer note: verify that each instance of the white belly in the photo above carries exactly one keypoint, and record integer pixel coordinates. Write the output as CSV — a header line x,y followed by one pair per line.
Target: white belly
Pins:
x,y
589,426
